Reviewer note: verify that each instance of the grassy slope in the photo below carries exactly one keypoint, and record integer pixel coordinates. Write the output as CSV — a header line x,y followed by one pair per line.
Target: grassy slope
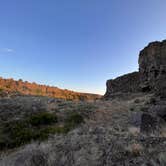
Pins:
x,y
107,137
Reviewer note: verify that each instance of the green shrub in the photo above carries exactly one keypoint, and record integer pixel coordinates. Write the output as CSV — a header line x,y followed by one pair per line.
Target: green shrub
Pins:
x,y
36,127
137,101
20,132
85,107
43,118
41,134
72,121
132,109
1,90
52,130
74,118
2,142
16,133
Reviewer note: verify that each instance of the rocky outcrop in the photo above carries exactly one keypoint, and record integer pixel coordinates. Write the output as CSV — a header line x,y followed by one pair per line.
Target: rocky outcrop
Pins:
x,y
152,68
123,84
151,76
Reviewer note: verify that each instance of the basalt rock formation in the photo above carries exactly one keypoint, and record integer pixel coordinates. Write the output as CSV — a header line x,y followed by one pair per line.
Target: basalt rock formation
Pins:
x,y
151,76
150,79
123,84
152,68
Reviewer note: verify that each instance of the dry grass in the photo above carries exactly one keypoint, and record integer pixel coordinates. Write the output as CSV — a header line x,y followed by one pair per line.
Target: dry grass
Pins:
x,y
135,149
135,131
106,138
163,132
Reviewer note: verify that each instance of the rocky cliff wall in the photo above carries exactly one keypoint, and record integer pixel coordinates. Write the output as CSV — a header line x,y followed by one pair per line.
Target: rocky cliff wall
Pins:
x,y
151,76
152,67
123,84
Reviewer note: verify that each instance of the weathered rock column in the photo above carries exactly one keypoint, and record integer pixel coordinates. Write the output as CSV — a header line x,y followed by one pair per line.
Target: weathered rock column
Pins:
x,y
152,68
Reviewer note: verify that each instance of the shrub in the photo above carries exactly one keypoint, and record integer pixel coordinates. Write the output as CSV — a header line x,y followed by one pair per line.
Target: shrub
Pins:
x,y
75,119
52,130
43,118
16,133
152,101
132,109
86,107
72,121
137,101
1,89
20,132
36,127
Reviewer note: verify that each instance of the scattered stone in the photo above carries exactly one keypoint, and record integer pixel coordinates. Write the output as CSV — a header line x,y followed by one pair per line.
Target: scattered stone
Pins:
x,y
136,118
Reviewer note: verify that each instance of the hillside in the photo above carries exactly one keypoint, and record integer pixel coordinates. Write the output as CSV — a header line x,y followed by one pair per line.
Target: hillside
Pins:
x,y
42,131
13,87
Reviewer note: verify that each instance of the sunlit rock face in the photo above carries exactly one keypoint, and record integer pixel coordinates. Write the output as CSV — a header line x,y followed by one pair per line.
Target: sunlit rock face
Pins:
x,y
151,76
152,67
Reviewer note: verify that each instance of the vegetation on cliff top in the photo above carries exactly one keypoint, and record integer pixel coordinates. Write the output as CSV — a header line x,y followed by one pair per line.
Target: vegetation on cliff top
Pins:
x,y
26,88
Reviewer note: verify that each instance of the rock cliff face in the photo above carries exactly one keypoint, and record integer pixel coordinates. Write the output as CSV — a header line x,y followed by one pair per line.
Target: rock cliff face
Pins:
x,y
152,67
123,84
151,76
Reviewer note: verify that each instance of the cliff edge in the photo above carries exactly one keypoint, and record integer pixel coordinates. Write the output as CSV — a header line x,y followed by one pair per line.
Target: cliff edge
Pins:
x,y
151,76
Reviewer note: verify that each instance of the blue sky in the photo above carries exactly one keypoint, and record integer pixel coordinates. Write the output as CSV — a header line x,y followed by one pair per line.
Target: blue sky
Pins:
x,y
76,44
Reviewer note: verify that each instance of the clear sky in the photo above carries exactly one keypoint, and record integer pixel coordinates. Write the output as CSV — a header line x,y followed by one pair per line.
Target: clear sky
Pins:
x,y
76,44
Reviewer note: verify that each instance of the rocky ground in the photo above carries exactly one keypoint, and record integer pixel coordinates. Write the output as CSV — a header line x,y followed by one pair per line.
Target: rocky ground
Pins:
x,y
111,133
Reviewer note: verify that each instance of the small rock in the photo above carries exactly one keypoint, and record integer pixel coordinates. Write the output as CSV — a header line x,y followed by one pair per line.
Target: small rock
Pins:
x,y
136,118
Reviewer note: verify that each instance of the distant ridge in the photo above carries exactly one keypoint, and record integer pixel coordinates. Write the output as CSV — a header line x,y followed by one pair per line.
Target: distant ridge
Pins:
x,y
11,86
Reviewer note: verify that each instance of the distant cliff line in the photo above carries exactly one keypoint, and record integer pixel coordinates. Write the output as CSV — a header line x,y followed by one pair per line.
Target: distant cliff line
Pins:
x,y
11,86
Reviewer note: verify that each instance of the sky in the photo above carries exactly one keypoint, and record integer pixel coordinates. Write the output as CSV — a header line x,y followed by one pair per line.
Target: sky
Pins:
x,y
76,44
